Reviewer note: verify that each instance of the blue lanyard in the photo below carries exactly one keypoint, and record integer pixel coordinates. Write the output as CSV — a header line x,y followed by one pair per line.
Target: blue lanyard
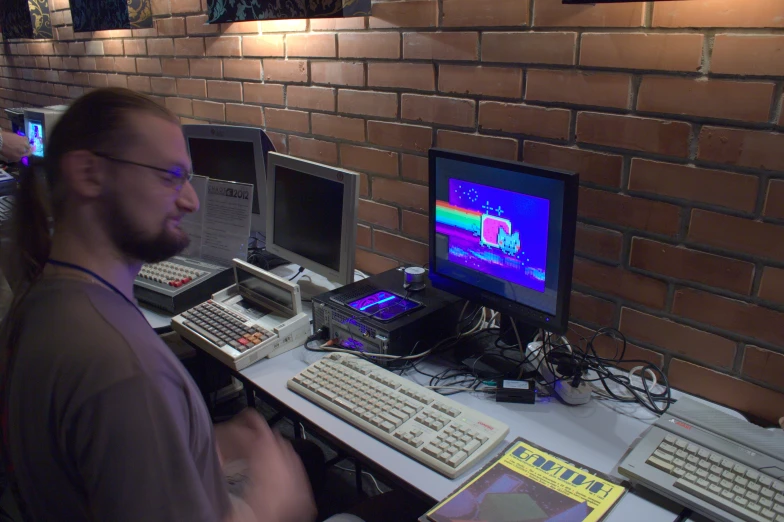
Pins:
x,y
92,274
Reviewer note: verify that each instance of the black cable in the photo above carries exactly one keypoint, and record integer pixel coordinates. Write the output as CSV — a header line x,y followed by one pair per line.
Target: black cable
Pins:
x,y
301,269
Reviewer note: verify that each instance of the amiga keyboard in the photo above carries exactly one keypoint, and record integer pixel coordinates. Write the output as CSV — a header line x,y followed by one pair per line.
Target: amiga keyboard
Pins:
x,y
428,427
172,274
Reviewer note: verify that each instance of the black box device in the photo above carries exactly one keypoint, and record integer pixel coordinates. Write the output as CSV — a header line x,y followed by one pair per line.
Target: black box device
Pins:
x,y
378,315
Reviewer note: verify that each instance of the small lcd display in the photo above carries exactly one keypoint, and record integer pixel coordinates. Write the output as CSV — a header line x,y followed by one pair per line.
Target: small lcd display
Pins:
x,y
255,289
383,306
35,134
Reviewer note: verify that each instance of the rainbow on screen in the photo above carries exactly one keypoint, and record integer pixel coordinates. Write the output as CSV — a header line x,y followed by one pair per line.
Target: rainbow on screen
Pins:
x,y
453,216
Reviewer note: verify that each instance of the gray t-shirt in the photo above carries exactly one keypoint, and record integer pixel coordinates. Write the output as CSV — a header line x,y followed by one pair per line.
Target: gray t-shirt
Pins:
x,y
104,422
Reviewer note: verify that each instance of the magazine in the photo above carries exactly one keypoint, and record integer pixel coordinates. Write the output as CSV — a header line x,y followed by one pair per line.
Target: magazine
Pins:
x,y
528,484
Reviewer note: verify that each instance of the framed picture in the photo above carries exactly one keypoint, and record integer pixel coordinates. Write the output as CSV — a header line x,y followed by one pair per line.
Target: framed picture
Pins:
x,y
25,19
226,11
98,15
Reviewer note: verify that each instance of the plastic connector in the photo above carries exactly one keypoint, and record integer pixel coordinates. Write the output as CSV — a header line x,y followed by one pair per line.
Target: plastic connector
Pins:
x,y
564,386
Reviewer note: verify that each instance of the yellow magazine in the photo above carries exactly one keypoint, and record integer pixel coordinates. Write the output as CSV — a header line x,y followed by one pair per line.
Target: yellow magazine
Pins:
x,y
528,484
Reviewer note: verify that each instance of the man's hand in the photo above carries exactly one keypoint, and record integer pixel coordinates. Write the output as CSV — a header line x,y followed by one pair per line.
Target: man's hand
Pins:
x,y
15,146
235,438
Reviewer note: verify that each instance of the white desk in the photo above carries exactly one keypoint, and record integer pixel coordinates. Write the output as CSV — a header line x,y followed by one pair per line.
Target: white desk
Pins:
x,y
593,435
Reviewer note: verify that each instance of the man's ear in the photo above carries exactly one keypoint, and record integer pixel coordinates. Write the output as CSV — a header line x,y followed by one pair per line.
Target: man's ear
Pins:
x,y
83,172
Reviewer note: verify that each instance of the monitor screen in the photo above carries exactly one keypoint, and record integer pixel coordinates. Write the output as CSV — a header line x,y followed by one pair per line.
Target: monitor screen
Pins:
x,y
499,230
255,289
35,134
225,160
308,216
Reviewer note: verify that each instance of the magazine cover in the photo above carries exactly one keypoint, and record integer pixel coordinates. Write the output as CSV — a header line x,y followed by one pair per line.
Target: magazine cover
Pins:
x,y
528,484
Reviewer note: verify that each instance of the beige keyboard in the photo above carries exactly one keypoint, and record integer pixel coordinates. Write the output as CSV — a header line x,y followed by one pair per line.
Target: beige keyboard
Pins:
x,y
430,428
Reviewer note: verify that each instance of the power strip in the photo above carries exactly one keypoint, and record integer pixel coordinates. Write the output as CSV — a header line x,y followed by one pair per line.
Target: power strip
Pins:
x,y
575,396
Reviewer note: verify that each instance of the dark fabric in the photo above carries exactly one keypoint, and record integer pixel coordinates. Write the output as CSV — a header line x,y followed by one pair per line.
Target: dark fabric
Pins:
x,y
222,11
25,19
98,15
104,423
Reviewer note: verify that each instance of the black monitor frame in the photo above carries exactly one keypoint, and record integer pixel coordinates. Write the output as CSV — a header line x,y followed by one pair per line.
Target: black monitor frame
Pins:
x,y
556,323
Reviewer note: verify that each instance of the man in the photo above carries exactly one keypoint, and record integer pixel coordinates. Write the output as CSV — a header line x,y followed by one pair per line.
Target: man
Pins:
x,y
100,421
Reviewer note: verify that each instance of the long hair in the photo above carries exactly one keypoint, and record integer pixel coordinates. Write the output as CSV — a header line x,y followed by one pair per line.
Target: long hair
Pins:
x,y
97,121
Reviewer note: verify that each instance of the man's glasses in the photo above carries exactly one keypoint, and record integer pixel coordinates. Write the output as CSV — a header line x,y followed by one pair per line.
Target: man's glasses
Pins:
x,y
175,177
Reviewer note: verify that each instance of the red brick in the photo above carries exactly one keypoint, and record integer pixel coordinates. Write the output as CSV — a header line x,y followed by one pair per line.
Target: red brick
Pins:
x,y
189,46
590,309
441,46
223,46
393,15
175,67
504,148
628,211
209,110
630,132
553,13
338,73
219,90
149,32
86,64
610,347
197,25
549,48
715,187
579,88
364,235
470,13
378,214
179,106
244,115
158,47
311,45
645,51
192,88
677,338
283,26
405,249
90,48
262,46
295,121
351,129
598,242
185,6
593,167
315,98
316,150
617,281
764,366
132,48
524,119
772,285
691,265
286,70
400,136
748,55
774,201
373,161
744,101
139,83
501,82
148,65
414,168
737,234
113,47
119,80
170,26
353,23
437,109
416,225
366,103
719,13
724,389
742,148
401,193
369,45
98,80
373,263
101,64
731,315
417,76
207,67
242,69
249,27
265,94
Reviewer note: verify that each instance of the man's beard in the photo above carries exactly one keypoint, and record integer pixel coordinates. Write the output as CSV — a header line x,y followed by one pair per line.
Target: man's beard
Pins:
x,y
136,245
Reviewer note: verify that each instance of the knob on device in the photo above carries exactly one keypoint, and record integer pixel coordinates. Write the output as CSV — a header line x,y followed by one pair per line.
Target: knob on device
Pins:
x,y
414,279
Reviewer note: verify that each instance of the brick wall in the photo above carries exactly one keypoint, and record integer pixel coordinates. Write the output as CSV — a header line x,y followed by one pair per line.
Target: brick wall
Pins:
x,y
671,113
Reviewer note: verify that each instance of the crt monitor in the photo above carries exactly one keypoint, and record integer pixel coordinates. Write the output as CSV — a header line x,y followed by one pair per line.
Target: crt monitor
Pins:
x,y
312,215
502,235
231,153
39,124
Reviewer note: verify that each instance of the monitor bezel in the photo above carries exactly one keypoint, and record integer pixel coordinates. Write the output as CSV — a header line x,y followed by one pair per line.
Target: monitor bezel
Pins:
x,y
46,117
557,322
258,222
350,182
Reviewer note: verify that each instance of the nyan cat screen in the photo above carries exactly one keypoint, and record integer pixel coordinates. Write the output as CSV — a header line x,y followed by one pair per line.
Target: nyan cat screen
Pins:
x,y
499,231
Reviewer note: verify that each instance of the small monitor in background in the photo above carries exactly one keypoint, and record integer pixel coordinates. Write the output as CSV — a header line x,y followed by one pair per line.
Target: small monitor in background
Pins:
x,y
502,235
38,125
230,153
312,216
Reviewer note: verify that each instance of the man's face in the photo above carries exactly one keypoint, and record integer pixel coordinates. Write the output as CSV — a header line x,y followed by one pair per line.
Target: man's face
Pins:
x,y
143,207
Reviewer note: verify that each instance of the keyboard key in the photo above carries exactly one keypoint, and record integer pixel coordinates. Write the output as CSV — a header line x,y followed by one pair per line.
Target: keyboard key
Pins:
x,y
681,443
682,454
754,508
670,438
767,492
752,496
703,483
457,458
722,501
766,502
660,464
714,478
741,501
667,448
740,469
768,513
691,448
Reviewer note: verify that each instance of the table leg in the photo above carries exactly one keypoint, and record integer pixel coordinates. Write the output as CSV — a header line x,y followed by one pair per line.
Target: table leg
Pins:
x,y
358,477
250,396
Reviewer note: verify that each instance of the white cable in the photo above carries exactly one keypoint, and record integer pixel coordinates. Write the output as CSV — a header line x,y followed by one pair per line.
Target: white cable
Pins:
x,y
378,488
642,376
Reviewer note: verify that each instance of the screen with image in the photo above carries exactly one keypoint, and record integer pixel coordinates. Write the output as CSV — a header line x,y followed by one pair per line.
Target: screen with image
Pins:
x,y
35,133
225,160
308,216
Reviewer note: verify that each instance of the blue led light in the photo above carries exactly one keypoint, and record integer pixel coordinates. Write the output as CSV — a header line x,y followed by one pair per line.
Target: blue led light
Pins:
x,y
377,303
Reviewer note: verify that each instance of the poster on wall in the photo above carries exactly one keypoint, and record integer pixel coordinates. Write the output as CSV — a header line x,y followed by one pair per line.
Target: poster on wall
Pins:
x,y
25,19
99,15
227,11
